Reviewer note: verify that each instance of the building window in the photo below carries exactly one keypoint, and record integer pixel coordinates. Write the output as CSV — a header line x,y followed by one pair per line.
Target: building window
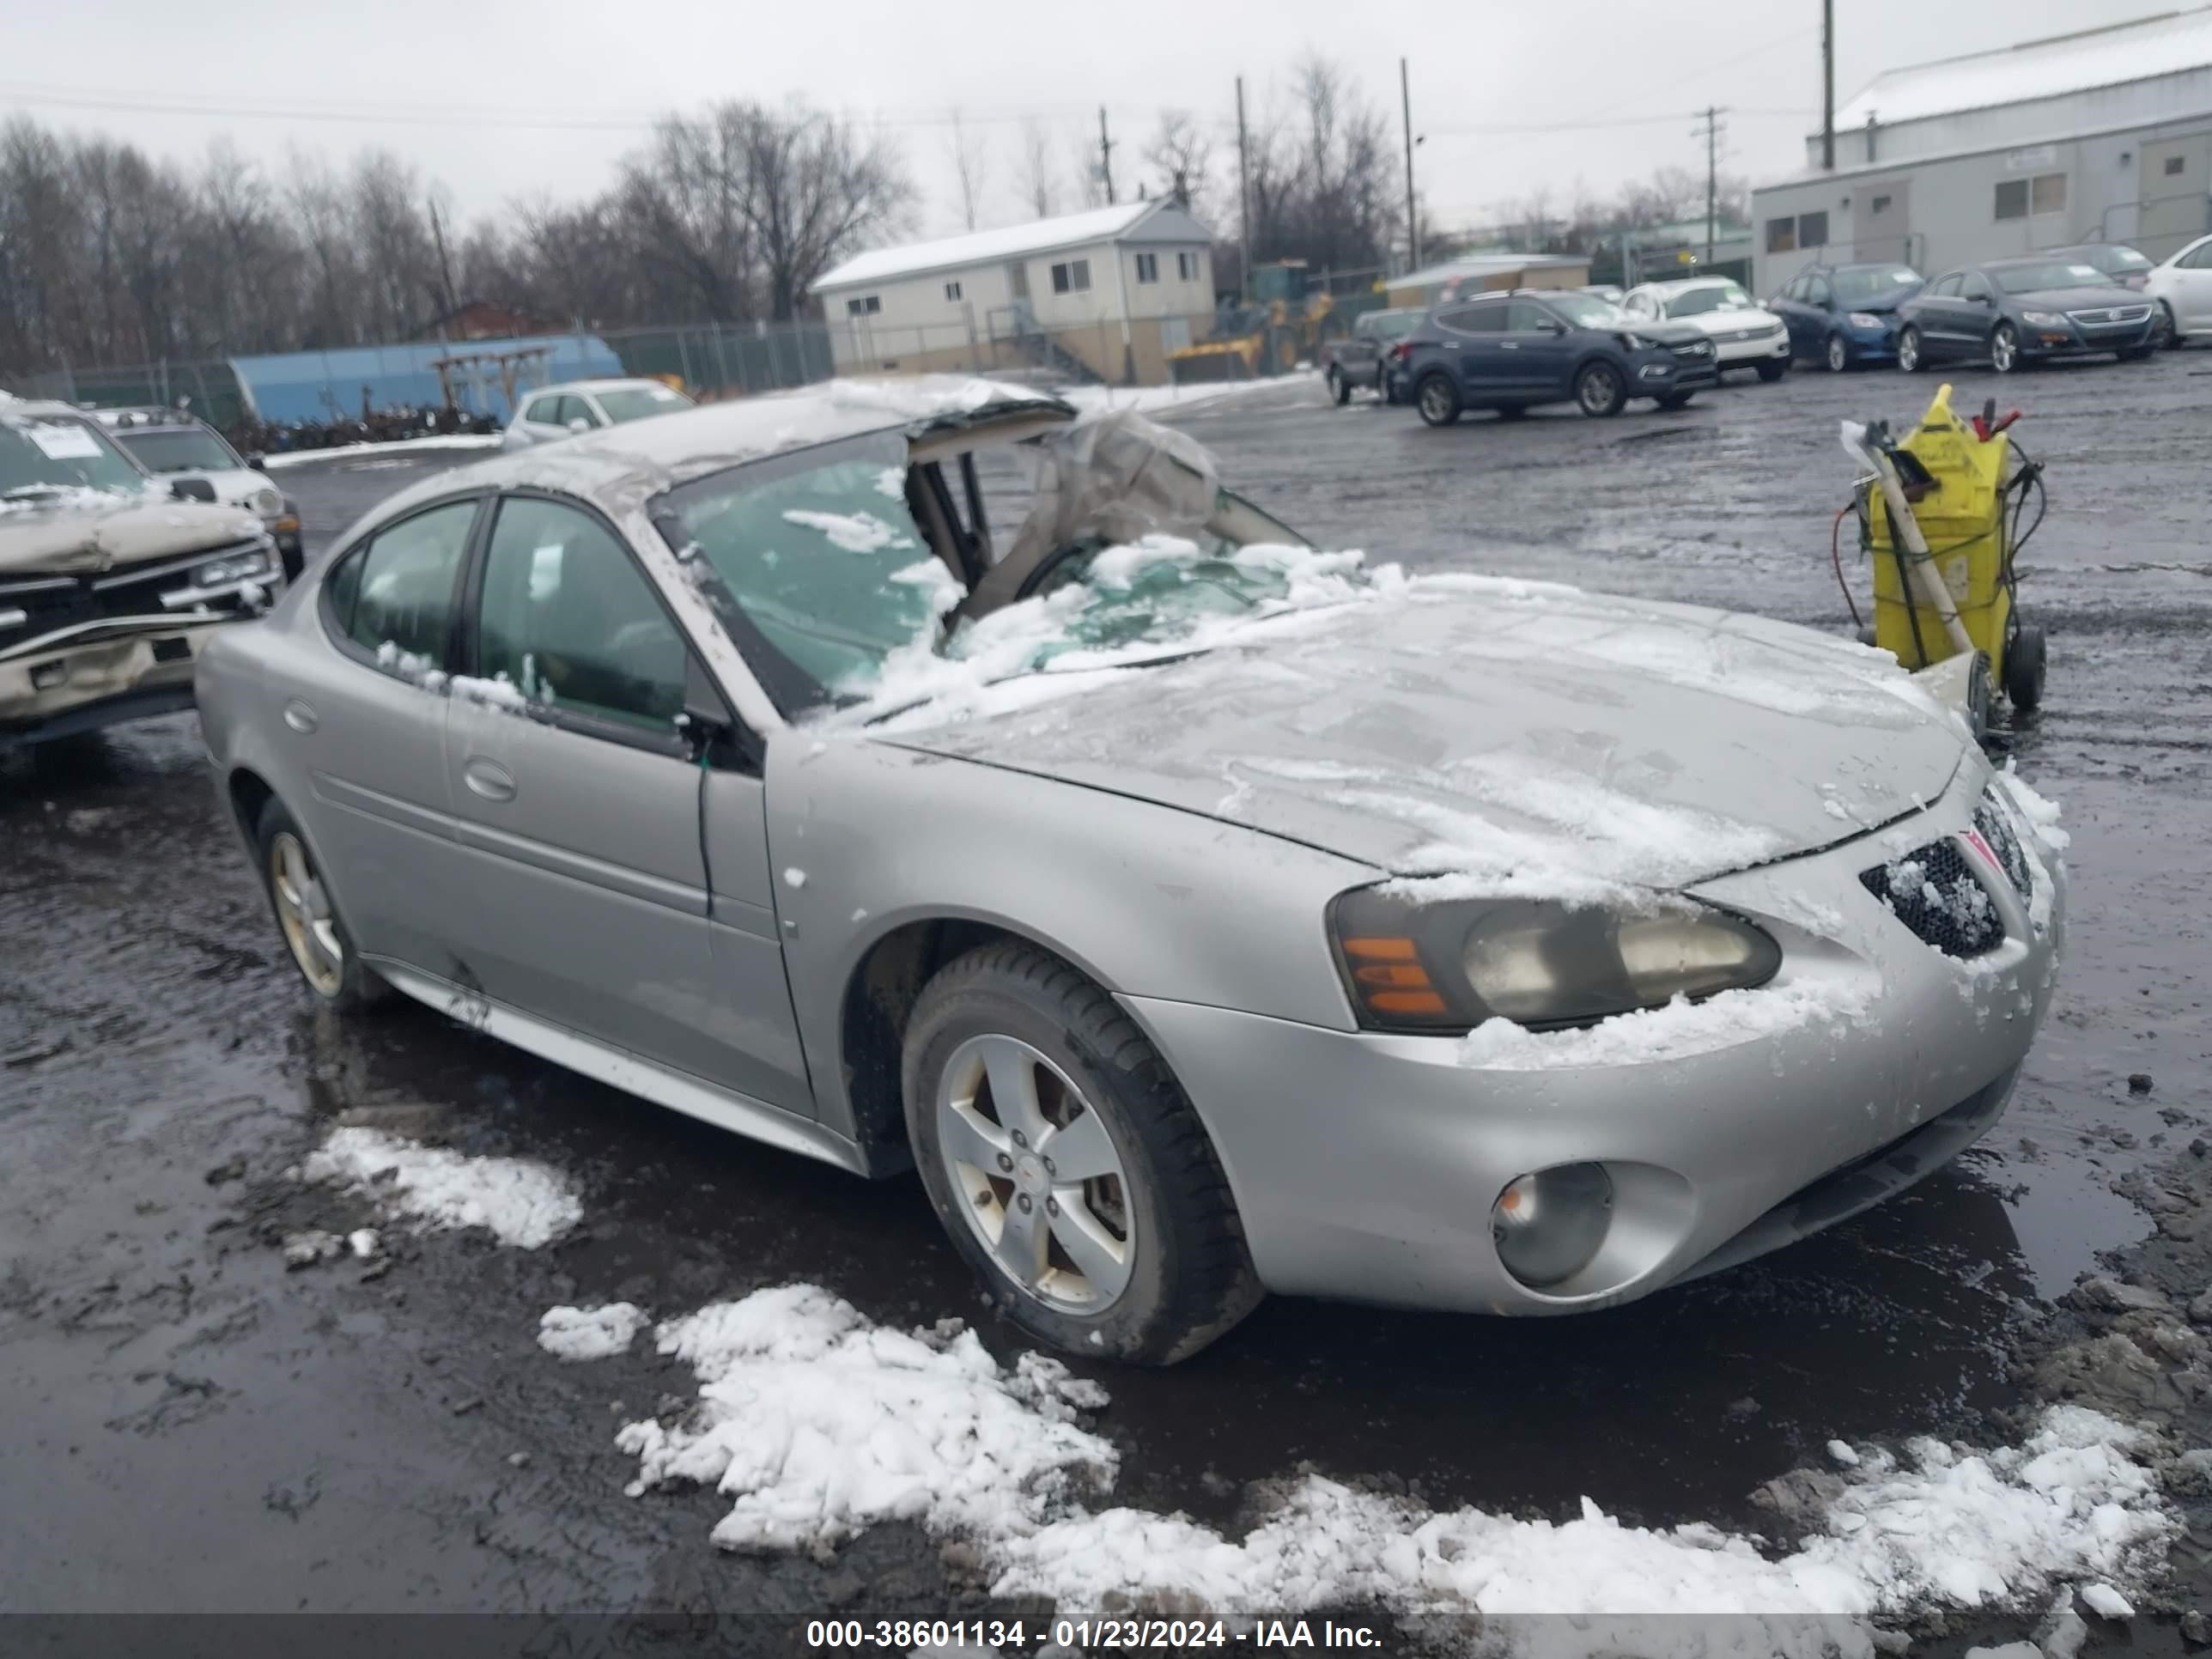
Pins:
x,y
1813,229
1148,267
952,290
2047,194
2011,198
866,307
1072,277
1781,235
1186,266
2173,167
1881,204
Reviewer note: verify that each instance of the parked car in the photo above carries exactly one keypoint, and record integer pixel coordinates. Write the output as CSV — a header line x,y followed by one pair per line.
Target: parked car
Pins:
x,y
1745,335
2013,312
1359,361
2181,287
109,586
2124,265
178,447
1843,316
1200,916
555,412
1511,352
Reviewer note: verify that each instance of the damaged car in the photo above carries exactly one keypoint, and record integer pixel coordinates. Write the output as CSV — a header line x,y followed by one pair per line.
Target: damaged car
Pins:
x,y
109,587
913,775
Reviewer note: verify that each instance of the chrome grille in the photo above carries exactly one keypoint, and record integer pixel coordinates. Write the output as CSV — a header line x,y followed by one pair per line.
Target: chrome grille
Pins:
x,y
51,603
2112,316
1934,890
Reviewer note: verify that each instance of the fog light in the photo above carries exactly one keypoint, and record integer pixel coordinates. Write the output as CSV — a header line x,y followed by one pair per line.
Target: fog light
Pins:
x,y
1548,1225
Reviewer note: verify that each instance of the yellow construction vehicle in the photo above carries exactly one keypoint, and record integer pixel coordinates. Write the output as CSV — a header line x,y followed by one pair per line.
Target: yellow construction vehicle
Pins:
x,y
1268,337
1942,516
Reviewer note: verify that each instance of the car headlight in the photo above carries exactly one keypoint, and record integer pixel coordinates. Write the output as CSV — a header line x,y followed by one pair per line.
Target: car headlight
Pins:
x,y
237,567
2043,319
1448,967
268,503
1867,319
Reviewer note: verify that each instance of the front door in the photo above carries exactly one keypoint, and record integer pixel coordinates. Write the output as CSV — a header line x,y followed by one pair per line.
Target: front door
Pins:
x,y
368,728
591,906
2176,195
1538,352
1883,227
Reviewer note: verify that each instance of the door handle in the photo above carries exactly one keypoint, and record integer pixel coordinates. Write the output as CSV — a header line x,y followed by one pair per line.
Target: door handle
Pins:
x,y
489,779
1508,345
299,717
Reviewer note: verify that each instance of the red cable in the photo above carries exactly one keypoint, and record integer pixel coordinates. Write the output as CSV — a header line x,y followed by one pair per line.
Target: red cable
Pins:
x,y
1836,558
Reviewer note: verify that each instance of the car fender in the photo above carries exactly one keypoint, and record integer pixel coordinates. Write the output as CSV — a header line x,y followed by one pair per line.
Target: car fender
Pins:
x,y
866,836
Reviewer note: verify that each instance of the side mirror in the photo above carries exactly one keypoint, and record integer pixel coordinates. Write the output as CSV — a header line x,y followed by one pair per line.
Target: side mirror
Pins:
x,y
191,489
579,424
1552,325
258,461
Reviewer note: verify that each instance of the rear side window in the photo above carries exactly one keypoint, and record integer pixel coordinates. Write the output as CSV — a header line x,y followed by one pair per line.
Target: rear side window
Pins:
x,y
567,617
398,590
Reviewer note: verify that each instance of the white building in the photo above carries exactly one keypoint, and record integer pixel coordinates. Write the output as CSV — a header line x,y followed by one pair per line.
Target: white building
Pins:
x,y
1114,289
2102,136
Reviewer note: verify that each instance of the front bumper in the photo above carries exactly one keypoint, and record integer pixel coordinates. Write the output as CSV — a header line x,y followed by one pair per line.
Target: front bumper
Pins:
x,y
1872,345
2075,340
128,669
1364,1165
1759,349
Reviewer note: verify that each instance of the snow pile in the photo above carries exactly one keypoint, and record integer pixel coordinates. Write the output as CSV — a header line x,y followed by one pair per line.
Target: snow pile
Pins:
x,y
590,1333
2038,813
398,446
851,532
1677,1031
522,1203
818,1424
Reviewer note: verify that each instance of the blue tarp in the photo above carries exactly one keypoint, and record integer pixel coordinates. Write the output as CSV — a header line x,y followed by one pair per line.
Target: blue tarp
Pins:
x,y
316,385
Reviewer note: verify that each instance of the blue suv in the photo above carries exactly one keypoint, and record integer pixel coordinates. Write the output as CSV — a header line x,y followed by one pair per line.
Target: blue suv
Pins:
x,y
1512,351
1845,315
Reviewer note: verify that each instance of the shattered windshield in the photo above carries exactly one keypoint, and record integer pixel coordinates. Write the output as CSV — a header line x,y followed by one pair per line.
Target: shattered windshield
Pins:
x,y
44,457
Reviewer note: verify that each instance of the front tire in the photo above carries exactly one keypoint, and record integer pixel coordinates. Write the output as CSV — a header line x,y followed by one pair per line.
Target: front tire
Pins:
x,y
1066,1165
1437,399
1674,399
2024,669
2164,335
1908,352
2005,348
1600,390
1837,354
1339,388
1773,369
307,918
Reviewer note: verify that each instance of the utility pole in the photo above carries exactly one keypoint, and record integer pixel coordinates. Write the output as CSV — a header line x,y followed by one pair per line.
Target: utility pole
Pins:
x,y
1105,155
1712,135
1413,222
1243,200
1828,85
445,265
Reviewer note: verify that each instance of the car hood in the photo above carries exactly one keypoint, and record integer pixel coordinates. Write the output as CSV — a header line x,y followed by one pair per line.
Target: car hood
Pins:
x,y
1667,333
1524,732
236,485
1879,308
1730,322
2073,299
87,531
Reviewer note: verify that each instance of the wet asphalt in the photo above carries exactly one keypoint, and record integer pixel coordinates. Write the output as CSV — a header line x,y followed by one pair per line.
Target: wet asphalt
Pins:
x,y
191,1428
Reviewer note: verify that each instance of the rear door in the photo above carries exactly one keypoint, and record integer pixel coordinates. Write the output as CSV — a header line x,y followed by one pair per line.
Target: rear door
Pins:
x,y
367,725
581,803
1934,313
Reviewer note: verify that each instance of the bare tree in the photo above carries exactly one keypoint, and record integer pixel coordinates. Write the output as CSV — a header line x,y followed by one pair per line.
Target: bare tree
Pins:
x,y
814,189
1036,178
1180,153
969,166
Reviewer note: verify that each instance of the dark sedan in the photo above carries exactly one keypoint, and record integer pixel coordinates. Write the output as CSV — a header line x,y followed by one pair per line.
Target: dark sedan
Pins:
x,y
1512,351
2010,312
1845,315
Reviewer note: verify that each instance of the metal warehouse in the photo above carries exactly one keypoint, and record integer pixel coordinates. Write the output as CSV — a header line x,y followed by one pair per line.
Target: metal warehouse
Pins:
x,y
2100,135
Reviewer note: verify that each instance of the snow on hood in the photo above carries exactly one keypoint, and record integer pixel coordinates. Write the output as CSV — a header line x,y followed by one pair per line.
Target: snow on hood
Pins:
x,y
78,532
1504,737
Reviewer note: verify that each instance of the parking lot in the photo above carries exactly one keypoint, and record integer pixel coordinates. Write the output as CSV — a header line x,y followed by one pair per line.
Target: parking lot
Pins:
x,y
212,1430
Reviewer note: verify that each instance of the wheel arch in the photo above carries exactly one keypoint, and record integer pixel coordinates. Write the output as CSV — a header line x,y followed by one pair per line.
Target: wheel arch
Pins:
x,y
248,792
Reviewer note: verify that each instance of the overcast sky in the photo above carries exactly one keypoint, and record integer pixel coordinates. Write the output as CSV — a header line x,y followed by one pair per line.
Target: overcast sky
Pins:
x,y
454,82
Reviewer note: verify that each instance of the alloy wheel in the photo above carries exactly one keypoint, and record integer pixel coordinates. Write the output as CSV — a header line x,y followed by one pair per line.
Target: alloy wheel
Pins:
x,y
1908,351
1037,1175
1839,355
1598,390
1435,400
303,910
2004,350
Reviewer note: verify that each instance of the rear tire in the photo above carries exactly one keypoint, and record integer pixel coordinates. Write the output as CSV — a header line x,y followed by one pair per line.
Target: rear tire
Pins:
x,y
308,917
1178,1275
1909,359
1438,399
2024,669
1600,390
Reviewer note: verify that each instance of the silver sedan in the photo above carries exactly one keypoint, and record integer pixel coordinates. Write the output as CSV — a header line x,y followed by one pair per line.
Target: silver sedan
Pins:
x,y
1201,912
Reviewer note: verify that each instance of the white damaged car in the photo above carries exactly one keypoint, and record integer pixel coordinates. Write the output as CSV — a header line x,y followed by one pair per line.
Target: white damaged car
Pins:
x,y
1745,334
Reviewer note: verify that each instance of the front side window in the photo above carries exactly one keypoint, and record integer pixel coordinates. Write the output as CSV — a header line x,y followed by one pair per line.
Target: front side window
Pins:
x,y
637,403
178,449
568,618
395,596
1527,316
2198,258
1974,288
818,552
41,457
1947,287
